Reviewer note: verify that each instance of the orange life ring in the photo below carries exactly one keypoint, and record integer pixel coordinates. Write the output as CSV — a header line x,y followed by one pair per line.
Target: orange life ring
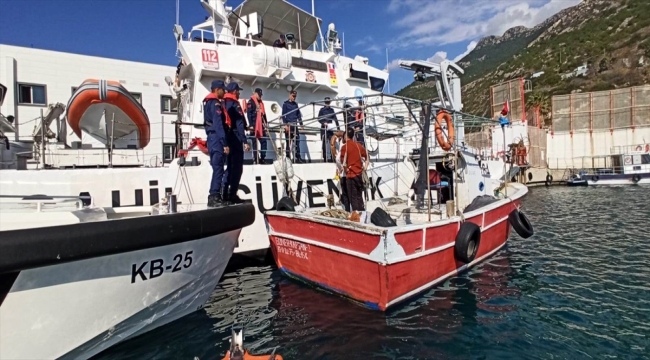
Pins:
x,y
638,148
248,356
647,147
445,144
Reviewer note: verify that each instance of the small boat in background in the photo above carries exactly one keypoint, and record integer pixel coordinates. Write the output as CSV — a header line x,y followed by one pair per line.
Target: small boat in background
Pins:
x,y
76,279
105,109
238,352
576,180
626,165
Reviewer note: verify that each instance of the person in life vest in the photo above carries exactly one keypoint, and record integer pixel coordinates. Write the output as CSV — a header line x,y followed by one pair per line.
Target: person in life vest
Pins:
x,y
216,125
355,160
326,116
237,144
292,117
258,125
339,138
358,123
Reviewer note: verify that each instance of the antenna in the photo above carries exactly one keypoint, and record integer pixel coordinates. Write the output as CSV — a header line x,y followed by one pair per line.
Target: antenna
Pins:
x,y
178,7
344,43
388,71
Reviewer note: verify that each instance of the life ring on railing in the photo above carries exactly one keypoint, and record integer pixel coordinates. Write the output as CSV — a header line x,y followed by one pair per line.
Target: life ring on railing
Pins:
x,y
445,144
636,178
638,148
647,148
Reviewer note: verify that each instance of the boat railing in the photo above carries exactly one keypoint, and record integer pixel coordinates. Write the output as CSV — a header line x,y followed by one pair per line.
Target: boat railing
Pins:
x,y
630,149
41,200
208,36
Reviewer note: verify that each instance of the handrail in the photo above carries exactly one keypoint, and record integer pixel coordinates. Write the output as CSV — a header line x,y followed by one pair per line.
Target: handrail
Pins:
x,y
41,200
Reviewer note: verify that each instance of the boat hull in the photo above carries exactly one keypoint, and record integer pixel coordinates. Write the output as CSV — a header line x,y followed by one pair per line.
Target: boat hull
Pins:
x,y
382,268
47,311
617,179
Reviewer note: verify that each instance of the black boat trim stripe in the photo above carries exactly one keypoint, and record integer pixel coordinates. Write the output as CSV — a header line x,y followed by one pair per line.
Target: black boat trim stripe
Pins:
x,y
30,248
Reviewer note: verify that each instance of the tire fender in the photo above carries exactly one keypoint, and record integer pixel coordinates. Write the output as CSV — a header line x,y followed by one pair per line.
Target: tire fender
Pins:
x,y
286,204
467,243
520,224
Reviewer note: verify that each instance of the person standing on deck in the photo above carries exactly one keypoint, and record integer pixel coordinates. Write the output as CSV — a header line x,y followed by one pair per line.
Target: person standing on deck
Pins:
x,y
280,43
339,137
216,125
237,144
291,117
355,159
325,117
258,125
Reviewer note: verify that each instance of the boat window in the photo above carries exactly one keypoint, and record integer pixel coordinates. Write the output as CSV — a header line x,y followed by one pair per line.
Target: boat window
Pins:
x,y
32,94
169,152
637,167
168,105
645,158
356,74
137,97
377,84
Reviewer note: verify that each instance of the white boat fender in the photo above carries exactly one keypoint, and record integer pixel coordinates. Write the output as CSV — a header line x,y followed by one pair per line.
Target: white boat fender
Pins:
x,y
468,240
520,223
283,169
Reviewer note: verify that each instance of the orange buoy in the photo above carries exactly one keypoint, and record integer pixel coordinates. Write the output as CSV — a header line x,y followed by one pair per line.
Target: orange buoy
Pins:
x,y
445,143
248,356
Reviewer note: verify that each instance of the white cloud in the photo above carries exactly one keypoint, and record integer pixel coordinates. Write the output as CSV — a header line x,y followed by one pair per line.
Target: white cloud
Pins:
x,y
470,47
422,24
392,65
437,57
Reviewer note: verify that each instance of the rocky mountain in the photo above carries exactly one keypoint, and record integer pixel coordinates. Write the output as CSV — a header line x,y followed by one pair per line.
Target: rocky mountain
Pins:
x,y
612,37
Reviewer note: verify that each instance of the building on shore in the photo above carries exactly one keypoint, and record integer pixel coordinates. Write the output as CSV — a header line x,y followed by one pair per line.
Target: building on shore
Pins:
x,y
36,78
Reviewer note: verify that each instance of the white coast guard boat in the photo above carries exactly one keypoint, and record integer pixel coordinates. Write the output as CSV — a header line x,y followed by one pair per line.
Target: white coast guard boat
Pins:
x,y
236,45
76,279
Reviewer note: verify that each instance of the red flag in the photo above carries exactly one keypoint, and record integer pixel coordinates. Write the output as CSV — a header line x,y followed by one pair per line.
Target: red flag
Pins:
x,y
506,108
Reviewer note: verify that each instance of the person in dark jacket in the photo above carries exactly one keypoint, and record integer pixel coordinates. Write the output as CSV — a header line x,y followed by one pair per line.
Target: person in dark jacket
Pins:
x,y
326,116
216,126
291,118
237,144
255,109
280,43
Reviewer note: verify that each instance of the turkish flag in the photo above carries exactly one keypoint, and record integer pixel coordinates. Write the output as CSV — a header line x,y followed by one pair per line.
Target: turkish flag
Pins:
x,y
506,108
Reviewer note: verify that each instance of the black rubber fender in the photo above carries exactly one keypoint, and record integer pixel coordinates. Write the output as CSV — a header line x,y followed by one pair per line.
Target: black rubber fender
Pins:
x,y
595,178
636,178
286,204
549,178
381,218
520,223
468,240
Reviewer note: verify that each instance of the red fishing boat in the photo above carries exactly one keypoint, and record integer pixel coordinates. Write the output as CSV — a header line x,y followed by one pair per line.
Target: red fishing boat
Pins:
x,y
409,245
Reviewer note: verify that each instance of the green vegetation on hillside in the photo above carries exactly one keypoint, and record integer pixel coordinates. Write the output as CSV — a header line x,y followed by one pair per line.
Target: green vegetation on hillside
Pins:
x,y
613,39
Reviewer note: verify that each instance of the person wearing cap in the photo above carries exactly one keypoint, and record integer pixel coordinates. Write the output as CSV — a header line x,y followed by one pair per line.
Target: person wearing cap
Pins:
x,y
237,144
216,125
258,125
280,43
291,117
326,116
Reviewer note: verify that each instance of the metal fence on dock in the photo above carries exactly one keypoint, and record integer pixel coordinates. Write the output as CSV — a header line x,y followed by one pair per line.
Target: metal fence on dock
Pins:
x,y
512,91
602,110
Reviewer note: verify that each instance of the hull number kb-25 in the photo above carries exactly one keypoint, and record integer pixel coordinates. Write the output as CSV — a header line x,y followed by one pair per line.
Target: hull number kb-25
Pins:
x,y
157,267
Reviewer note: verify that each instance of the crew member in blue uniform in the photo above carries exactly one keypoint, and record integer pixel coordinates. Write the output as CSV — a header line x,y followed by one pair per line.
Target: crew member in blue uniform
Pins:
x,y
254,110
292,117
237,144
216,126
325,117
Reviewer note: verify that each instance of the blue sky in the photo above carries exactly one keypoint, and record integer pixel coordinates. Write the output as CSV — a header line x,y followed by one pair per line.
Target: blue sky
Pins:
x,y
141,30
